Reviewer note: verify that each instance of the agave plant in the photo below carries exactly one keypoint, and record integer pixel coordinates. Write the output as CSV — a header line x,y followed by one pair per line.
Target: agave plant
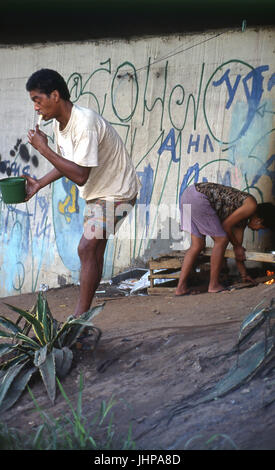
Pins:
x,y
47,351
248,363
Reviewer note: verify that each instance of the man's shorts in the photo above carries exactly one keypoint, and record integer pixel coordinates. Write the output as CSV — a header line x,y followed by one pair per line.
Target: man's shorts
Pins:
x,y
104,217
198,216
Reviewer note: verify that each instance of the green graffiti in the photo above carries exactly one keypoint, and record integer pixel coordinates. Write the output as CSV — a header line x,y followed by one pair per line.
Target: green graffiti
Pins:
x,y
180,101
132,77
160,99
205,103
78,89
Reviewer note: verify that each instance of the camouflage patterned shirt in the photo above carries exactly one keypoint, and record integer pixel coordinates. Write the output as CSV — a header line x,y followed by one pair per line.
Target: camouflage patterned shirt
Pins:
x,y
224,199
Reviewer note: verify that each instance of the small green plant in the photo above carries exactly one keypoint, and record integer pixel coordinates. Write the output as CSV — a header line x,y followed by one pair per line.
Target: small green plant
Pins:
x,y
69,432
216,442
47,351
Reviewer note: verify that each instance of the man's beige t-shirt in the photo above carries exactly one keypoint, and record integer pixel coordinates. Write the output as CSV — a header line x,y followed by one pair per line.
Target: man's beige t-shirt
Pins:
x,y
89,140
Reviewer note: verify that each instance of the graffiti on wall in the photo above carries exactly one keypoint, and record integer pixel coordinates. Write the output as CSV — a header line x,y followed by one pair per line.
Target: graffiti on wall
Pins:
x,y
239,155
24,234
221,131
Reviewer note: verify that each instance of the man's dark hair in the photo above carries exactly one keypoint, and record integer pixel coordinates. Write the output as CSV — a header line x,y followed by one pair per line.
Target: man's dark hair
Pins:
x,y
46,81
266,212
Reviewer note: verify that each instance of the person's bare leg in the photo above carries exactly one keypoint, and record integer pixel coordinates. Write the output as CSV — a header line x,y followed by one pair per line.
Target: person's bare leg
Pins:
x,y
217,257
197,245
91,253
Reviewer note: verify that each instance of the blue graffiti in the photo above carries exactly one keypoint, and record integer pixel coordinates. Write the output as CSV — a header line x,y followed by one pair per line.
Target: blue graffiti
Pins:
x,y
226,179
146,177
253,97
271,82
207,142
253,89
186,179
169,144
264,170
231,90
193,143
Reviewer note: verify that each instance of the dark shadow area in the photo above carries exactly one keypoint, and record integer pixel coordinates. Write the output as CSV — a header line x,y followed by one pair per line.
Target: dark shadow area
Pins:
x,y
23,22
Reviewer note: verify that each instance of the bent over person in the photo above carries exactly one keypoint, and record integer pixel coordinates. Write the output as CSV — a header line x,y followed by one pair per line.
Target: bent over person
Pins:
x,y
222,212
91,154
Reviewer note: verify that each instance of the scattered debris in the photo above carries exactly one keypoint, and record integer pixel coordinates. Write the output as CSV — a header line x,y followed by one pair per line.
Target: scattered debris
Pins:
x,y
131,282
164,271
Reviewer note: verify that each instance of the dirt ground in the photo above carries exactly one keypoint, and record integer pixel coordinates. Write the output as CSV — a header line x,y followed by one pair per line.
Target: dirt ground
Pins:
x,y
158,354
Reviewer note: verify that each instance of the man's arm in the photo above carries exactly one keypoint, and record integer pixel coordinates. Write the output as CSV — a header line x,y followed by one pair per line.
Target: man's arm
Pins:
x,y
247,209
239,233
76,173
34,185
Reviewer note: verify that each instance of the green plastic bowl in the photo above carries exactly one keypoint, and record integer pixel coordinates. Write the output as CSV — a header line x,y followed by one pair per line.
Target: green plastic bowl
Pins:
x,y
13,190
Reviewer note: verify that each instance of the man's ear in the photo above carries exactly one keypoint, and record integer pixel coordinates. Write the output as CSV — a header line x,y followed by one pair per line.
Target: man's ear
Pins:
x,y
56,95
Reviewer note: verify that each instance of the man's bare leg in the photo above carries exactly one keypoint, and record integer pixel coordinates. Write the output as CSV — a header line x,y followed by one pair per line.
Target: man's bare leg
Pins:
x,y
217,257
197,245
91,254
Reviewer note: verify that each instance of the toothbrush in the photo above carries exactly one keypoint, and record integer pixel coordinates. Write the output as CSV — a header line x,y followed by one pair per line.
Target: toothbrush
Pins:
x,y
39,119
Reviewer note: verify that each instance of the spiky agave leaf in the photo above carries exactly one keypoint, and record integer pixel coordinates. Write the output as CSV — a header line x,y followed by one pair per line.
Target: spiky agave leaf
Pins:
x,y
45,317
6,349
61,333
271,310
255,315
27,326
36,325
54,328
15,360
16,387
92,312
63,361
75,332
29,341
251,332
7,379
9,325
47,307
249,362
77,325
39,307
46,322
48,359
45,362
40,356
5,334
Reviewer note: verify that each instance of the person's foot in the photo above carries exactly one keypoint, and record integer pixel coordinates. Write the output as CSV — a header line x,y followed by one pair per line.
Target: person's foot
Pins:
x,y
180,292
216,288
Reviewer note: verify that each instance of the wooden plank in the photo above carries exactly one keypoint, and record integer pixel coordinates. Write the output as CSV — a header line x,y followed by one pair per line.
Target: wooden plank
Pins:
x,y
172,263
250,255
175,275
239,285
171,254
176,257
161,290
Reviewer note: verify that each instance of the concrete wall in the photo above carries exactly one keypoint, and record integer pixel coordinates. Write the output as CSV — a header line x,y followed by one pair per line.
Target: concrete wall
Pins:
x,y
190,108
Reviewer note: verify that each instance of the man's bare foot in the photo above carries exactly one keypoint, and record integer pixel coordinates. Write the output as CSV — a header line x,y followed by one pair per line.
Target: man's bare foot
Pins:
x,y
216,288
181,292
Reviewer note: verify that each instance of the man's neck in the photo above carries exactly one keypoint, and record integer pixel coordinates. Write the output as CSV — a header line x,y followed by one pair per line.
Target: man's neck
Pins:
x,y
65,114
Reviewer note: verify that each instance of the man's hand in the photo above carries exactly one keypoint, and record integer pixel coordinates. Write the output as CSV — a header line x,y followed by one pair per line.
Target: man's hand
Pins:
x,y
32,186
239,253
246,278
37,139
